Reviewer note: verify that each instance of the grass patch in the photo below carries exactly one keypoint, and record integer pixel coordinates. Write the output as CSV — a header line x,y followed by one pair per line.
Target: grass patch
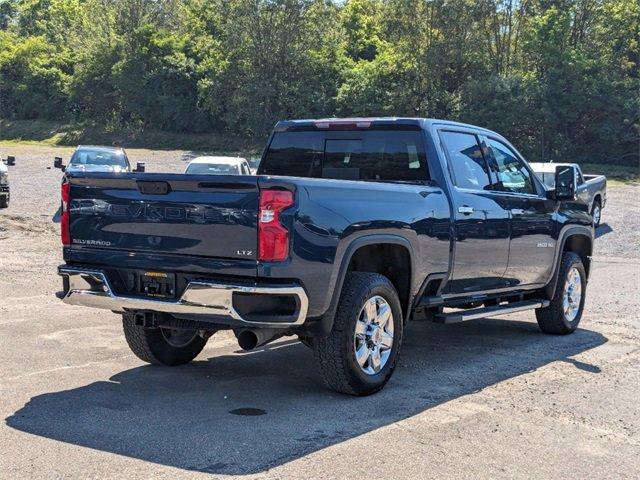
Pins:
x,y
45,132
30,131
616,174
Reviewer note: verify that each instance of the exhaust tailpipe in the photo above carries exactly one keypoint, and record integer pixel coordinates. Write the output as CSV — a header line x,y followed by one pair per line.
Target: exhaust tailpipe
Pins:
x,y
250,338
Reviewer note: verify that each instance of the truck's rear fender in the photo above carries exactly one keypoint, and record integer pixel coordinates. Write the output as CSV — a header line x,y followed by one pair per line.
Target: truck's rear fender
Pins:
x,y
399,267
333,219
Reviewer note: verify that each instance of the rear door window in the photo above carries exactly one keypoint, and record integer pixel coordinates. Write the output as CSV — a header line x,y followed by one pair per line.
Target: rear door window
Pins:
x,y
467,164
383,155
376,155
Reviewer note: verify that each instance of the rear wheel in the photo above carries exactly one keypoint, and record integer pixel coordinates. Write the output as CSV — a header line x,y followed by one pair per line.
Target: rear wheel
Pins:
x,y
4,201
563,314
162,346
359,355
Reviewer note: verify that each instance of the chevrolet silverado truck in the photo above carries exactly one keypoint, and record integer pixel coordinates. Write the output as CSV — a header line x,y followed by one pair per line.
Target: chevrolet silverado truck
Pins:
x,y
590,189
350,228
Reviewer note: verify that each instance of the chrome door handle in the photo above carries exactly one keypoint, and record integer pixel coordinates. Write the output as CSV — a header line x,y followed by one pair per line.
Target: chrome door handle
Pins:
x,y
466,210
517,211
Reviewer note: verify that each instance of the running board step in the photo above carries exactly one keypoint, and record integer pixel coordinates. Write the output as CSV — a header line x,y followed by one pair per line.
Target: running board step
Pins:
x,y
464,315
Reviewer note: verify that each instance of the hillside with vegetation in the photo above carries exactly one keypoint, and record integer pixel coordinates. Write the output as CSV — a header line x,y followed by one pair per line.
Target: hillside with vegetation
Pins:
x,y
558,78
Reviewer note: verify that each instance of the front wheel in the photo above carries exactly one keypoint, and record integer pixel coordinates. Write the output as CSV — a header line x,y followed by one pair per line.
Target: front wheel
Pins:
x,y
4,201
162,346
359,356
563,314
596,213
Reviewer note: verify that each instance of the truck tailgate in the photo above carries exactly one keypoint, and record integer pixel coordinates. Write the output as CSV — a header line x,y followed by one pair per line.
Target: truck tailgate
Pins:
x,y
206,216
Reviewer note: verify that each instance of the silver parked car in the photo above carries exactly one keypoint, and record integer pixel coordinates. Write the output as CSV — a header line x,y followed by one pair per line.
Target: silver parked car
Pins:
x,y
98,159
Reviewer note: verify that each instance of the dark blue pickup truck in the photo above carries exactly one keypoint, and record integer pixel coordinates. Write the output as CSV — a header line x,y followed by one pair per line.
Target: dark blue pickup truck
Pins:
x,y
350,228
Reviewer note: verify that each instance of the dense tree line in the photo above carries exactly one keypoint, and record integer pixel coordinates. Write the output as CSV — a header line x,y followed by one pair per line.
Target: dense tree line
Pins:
x,y
558,77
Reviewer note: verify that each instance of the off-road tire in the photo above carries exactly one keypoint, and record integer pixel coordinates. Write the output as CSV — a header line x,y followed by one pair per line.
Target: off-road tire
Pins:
x,y
4,201
335,355
149,344
552,319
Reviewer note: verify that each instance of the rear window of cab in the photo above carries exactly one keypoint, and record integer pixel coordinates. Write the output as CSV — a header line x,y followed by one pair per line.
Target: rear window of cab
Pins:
x,y
375,155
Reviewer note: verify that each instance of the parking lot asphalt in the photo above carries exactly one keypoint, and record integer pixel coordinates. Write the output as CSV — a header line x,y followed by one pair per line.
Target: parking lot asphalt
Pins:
x,y
491,398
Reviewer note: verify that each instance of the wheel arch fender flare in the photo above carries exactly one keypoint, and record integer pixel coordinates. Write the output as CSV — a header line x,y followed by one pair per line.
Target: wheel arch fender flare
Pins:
x,y
566,233
343,265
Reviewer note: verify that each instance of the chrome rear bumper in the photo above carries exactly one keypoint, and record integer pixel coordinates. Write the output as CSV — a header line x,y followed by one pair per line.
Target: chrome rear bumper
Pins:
x,y
91,288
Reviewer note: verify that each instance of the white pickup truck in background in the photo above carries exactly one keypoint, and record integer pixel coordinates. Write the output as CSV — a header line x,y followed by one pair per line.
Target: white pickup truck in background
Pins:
x,y
591,189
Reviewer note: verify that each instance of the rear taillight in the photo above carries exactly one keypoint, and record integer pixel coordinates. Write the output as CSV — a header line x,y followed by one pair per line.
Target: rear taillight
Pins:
x,y
65,233
273,237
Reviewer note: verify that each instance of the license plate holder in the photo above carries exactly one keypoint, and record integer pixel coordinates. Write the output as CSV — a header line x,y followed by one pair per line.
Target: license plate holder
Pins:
x,y
157,284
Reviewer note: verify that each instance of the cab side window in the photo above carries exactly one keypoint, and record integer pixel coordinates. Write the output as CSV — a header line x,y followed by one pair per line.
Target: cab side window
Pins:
x,y
467,164
510,171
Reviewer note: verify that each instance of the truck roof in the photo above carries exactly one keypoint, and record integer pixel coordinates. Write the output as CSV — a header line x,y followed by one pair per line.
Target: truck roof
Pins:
x,y
422,123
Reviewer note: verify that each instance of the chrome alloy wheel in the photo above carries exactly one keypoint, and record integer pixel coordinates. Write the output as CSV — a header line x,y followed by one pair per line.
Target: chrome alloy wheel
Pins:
x,y
374,335
597,212
178,338
572,294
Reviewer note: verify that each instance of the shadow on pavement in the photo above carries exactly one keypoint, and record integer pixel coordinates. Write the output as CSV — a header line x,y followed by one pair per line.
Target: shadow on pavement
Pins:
x,y
181,417
603,229
57,215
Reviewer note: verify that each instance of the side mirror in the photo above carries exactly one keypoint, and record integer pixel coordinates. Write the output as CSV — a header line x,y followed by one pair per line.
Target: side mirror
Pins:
x,y
565,183
57,163
11,160
140,167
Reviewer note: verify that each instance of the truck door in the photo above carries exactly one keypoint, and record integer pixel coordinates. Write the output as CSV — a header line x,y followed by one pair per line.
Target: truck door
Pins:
x,y
532,246
481,222
582,189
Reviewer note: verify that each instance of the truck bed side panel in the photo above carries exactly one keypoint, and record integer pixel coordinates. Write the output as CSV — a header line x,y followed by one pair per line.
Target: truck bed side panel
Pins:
x,y
332,214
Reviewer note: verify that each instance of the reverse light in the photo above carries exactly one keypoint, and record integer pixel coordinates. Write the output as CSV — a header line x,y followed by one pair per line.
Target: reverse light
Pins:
x,y
273,237
65,232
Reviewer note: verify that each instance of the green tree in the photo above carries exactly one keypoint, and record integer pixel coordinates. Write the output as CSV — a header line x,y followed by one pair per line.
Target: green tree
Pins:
x,y
558,77
33,82
267,60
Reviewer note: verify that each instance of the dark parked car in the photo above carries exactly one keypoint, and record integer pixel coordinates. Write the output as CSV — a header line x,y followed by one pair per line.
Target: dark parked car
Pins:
x,y
350,228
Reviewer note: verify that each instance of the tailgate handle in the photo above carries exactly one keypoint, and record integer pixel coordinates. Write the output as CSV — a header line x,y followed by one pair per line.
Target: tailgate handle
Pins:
x,y
153,188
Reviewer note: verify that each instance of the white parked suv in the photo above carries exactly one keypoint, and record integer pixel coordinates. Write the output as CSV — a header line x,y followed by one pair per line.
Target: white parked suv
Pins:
x,y
218,166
